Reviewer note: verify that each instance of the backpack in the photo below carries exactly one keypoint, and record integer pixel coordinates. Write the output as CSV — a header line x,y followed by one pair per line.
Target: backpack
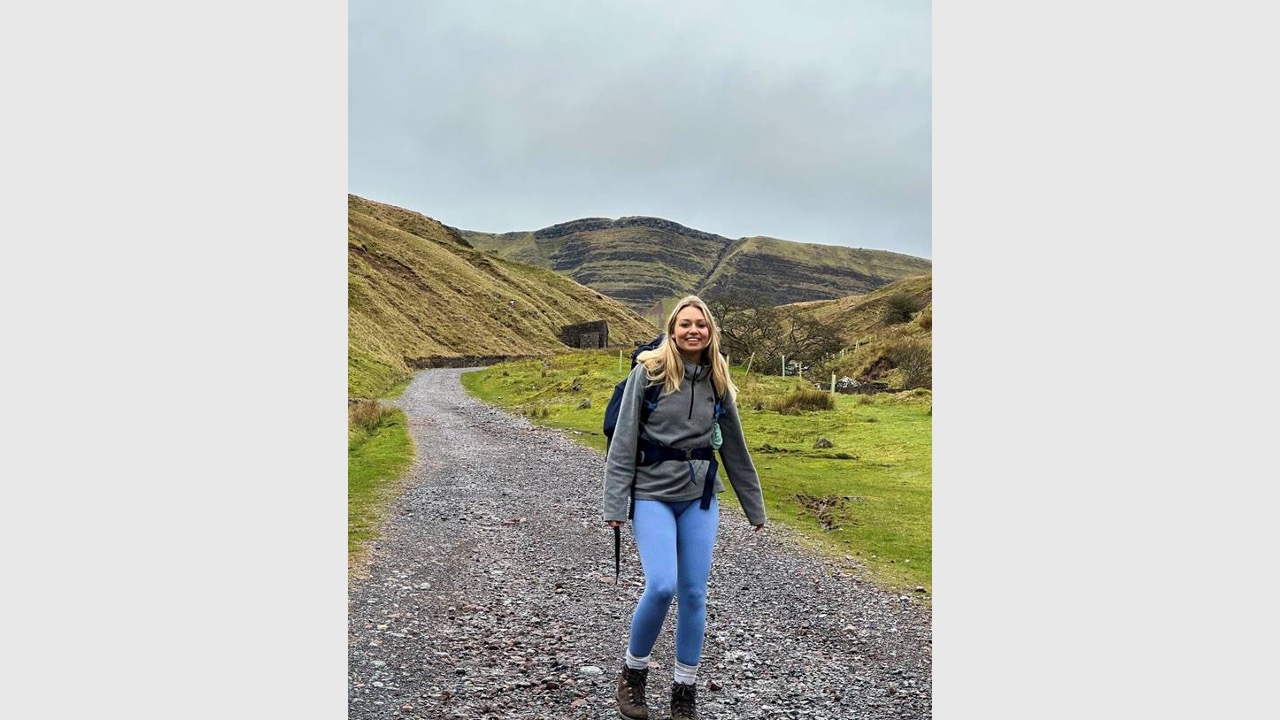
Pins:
x,y
651,395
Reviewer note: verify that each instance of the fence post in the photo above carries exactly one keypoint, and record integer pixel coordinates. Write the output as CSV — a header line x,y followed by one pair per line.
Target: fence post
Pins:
x,y
833,383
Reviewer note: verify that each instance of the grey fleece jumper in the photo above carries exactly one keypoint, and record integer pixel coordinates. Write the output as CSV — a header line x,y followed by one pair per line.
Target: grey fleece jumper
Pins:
x,y
681,420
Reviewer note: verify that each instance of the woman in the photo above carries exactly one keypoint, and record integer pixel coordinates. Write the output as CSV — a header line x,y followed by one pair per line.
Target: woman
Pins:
x,y
668,467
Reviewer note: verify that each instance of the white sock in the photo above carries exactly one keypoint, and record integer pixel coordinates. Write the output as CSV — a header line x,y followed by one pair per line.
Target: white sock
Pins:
x,y
636,663
687,674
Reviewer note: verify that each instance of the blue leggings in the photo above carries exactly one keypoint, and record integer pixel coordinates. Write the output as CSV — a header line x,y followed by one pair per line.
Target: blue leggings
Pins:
x,y
675,542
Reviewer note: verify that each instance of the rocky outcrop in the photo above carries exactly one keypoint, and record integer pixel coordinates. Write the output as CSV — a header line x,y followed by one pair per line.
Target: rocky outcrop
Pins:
x,y
573,226
667,226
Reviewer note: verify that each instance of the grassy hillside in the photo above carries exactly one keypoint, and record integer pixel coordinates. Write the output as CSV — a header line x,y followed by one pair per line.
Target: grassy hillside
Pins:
x,y
641,260
786,272
418,294
888,333
521,247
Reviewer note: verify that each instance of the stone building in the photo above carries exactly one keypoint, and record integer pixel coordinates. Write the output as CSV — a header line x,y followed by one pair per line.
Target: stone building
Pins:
x,y
594,334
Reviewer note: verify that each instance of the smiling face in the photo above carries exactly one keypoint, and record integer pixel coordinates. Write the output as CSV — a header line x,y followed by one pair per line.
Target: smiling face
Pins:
x,y
692,333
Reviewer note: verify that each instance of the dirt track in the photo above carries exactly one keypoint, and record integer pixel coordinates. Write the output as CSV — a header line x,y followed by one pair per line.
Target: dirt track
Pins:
x,y
491,595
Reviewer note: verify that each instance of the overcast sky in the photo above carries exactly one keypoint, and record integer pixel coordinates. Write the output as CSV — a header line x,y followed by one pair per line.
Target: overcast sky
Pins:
x,y
805,120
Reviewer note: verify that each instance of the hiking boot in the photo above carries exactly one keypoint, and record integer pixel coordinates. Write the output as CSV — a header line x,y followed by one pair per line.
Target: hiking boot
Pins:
x,y
684,701
631,693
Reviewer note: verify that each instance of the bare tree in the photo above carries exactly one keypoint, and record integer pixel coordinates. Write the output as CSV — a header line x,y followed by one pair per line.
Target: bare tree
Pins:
x,y
749,325
746,321
811,341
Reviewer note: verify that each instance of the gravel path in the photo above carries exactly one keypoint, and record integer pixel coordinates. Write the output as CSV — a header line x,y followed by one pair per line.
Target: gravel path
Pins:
x,y
491,595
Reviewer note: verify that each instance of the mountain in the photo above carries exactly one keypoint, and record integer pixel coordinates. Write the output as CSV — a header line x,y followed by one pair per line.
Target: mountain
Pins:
x,y
419,294
645,260
637,260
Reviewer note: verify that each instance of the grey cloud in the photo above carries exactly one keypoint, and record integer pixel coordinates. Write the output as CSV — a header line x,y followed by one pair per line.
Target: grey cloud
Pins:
x,y
808,121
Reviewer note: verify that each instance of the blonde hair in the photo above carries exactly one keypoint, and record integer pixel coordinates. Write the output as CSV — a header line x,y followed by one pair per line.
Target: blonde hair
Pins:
x,y
664,363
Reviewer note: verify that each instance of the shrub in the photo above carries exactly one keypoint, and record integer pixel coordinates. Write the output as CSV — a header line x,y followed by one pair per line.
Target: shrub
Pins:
x,y
804,399
915,359
899,308
365,415
925,320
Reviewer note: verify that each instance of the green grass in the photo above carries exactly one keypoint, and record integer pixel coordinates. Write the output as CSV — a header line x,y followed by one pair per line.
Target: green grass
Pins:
x,y
868,496
527,387
379,451
398,388
879,471
371,377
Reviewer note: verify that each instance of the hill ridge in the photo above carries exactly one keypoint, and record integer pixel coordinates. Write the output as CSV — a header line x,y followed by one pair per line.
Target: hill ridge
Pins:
x,y
642,260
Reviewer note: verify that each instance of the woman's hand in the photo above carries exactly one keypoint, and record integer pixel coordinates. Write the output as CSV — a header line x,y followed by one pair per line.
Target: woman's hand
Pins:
x,y
613,523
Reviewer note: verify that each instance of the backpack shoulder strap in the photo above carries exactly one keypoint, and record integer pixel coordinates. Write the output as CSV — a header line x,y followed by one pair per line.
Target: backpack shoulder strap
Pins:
x,y
652,393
